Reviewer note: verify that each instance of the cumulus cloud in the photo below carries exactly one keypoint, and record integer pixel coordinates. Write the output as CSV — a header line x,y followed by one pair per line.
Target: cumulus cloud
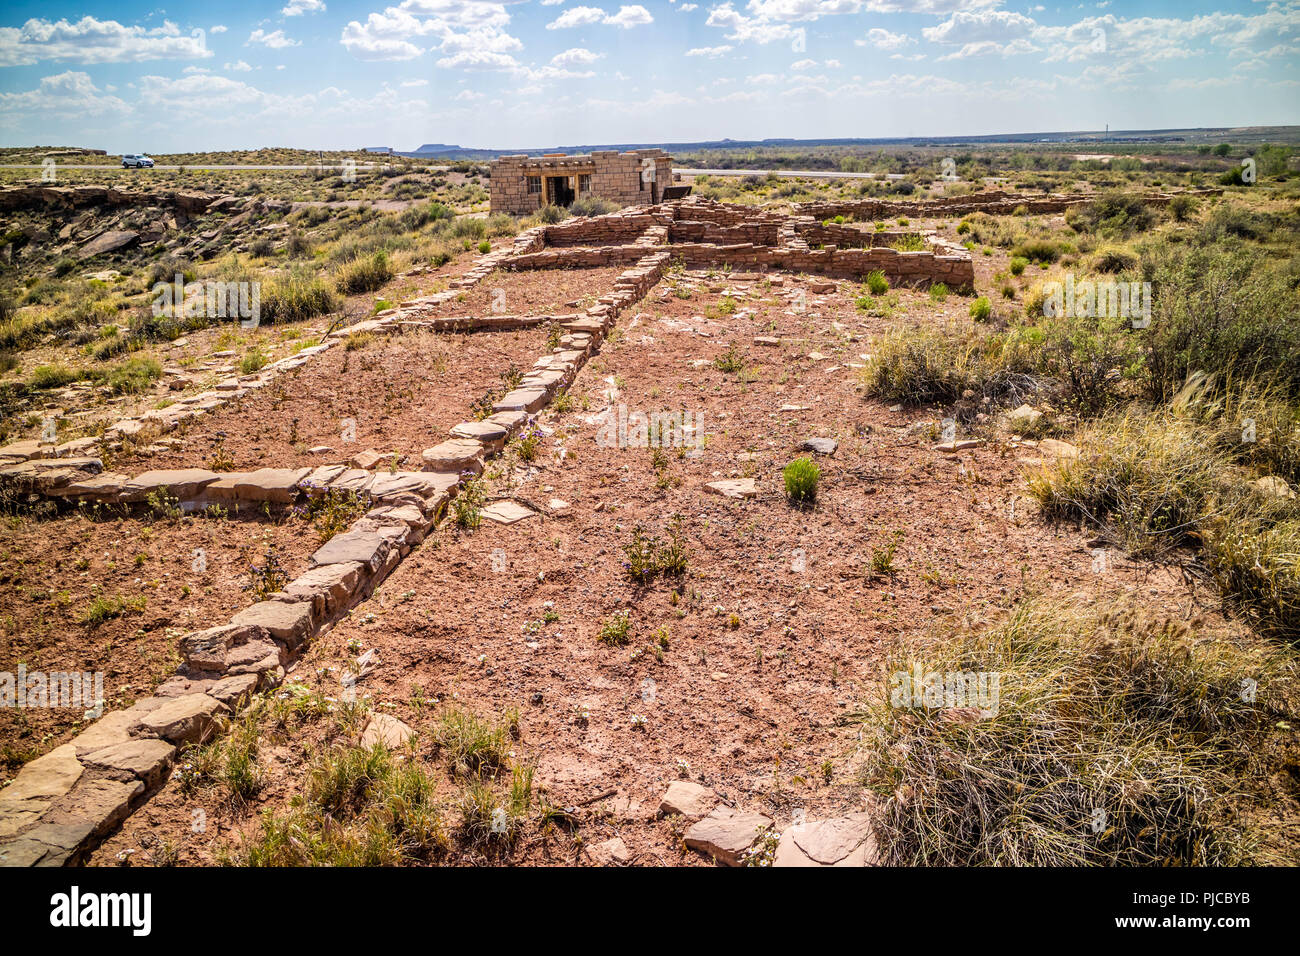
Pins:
x,y
713,52
69,94
97,41
297,8
576,56
407,30
884,40
627,17
276,39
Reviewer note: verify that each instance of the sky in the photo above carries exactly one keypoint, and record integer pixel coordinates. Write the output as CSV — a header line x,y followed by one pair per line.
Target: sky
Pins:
x,y
328,74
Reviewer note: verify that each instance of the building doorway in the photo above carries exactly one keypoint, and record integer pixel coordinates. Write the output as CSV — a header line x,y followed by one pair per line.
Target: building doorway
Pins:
x,y
559,190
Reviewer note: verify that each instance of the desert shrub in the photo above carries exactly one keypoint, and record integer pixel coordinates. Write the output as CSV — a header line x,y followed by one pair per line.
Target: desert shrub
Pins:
x,y
1114,259
363,275
296,298
297,246
1182,208
1152,483
593,206
1217,311
1112,214
55,376
801,477
1037,250
981,310
1091,356
877,284
1018,265
1112,738
254,361
550,214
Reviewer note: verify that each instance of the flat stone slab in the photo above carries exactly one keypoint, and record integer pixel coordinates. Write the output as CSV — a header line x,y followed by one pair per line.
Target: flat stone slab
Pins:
x,y
840,841
506,512
522,399
182,719
609,852
820,446
691,800
144,760
285,621
489,433
726,833
733,488
456,454
387,730
336,583
271,484
365,548
424,484
179,483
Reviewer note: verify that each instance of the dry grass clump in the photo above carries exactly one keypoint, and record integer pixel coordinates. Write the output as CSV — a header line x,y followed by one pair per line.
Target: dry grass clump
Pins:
x,y
1155,482
1117,739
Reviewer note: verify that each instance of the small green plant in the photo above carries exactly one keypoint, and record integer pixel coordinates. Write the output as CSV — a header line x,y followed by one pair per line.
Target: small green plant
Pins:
x,y
467,507
938,292
981,310
801,477
1018,265
730,360
877,284
882,558
270,576
617,630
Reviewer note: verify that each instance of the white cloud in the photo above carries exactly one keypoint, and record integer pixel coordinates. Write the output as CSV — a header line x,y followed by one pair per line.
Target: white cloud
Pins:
x,y
218,29
414,83
712,52
884,40
688,7
296,8
239,66
577,17
627,17
67,94
276,39
452,26
96,41
576,56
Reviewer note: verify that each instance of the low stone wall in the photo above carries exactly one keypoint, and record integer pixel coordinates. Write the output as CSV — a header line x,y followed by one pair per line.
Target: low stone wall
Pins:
x,y
997,203
760,233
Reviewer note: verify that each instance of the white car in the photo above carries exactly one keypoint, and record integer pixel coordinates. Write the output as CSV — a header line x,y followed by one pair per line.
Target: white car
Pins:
x,y
137,160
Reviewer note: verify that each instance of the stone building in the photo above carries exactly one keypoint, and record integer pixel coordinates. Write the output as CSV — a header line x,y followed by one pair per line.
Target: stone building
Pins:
x,y
523,184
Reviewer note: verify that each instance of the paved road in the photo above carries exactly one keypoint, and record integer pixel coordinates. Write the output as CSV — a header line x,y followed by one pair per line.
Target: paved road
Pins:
x,y
787,173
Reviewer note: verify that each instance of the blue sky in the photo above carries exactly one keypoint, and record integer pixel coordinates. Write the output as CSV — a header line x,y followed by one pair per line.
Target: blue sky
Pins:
x,y
525,73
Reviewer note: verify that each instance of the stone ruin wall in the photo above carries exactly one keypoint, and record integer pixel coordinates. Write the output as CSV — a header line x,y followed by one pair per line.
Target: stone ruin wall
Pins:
x,y
704,234
996,203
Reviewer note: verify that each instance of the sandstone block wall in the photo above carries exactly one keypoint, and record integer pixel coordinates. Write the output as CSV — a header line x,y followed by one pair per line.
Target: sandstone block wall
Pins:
x,y
615,176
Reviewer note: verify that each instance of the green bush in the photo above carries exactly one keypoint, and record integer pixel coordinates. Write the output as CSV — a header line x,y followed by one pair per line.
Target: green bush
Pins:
x,y
295,299
801,477
363,275
981,310
877,284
